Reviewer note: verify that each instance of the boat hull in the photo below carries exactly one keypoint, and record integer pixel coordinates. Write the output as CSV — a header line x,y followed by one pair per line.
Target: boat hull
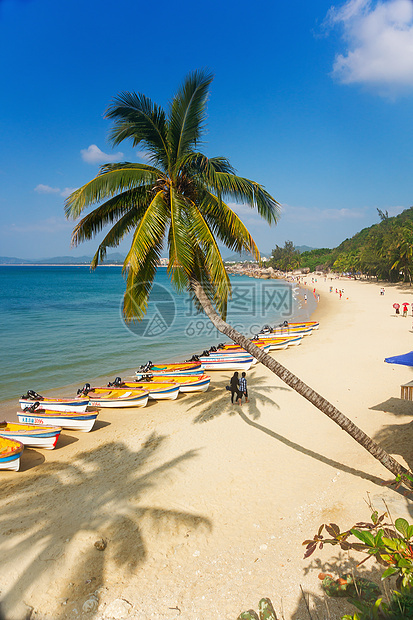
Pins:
x,y
31,435
10,451
58,404
115,399
75,421
227,365
187,383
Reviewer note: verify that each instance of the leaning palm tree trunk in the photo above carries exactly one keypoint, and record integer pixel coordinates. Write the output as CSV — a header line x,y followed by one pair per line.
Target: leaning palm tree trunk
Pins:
x,y
304,390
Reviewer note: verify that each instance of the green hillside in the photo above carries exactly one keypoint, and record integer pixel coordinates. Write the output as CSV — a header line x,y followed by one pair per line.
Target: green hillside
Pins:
x,y
384,250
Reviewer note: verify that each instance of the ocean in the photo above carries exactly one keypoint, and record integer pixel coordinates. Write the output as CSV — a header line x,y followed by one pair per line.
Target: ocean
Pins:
x,y
62,325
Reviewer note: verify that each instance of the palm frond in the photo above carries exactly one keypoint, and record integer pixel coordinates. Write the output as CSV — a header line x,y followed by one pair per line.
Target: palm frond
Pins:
x,y
123,227
197,164
109,184
149,232
227,226
211,260
139,284
217,175
109,212
138,118
187,113
181,255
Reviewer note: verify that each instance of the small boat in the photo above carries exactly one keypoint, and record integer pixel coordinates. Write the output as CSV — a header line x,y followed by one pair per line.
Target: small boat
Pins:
x,y
286,331
189,367
73,420
10,451
54,404
312,324
228,363
30,434
282,342
186,383
114,397
161,390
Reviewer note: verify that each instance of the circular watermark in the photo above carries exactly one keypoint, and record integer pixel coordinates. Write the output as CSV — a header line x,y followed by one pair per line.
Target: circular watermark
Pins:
x,y
159,317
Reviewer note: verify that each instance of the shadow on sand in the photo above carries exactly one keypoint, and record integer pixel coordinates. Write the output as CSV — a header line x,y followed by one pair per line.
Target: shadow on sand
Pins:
x,y
99,494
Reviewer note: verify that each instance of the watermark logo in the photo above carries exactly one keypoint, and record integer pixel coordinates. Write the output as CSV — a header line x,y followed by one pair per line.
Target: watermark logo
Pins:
x,y
252,304
160,314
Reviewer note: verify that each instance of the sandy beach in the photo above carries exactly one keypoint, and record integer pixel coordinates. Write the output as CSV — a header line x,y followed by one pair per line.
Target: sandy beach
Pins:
x,y
202,505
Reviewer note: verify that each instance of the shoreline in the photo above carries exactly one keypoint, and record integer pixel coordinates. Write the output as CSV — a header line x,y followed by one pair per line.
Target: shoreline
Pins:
x,y
204,506
69,389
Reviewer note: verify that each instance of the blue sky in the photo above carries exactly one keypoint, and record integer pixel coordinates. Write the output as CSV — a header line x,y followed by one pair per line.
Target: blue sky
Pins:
x,y
311,99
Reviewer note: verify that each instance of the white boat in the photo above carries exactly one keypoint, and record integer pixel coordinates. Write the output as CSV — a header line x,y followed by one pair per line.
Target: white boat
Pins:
x,y
74,420
166,389
53,404
116,398
10,451
186,383
31,434
227,364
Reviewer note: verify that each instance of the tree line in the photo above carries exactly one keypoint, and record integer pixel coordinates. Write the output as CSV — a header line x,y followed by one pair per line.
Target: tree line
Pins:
x,y
384,250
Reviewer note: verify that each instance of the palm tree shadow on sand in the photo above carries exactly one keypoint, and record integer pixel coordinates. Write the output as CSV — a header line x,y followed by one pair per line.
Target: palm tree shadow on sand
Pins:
x,y
87,497
217,400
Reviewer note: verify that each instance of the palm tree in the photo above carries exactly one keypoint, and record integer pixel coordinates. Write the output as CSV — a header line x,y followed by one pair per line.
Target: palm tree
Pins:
x,y
178,198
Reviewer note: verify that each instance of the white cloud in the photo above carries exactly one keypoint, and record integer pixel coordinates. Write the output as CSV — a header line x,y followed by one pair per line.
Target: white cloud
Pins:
x,y
93,155
67,191
46,189
379,40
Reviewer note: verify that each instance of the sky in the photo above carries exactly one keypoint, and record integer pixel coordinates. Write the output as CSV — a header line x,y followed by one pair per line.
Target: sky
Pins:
x,y
312,99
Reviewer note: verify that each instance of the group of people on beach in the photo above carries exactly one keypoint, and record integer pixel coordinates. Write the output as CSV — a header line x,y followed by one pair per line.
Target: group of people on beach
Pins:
x,y
238,388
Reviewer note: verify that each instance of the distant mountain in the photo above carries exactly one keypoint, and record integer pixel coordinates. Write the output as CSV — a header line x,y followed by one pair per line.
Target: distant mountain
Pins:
x,y
238,258
114,258
303,248
7,260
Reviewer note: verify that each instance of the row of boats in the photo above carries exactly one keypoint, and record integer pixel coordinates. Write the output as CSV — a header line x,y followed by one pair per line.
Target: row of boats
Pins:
x,y
42,419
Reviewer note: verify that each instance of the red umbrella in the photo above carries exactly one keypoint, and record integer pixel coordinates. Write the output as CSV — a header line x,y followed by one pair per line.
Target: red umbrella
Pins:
x,y
396,306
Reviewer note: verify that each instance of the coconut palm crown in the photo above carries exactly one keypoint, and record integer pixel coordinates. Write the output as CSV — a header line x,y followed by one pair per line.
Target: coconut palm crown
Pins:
x,y
178,197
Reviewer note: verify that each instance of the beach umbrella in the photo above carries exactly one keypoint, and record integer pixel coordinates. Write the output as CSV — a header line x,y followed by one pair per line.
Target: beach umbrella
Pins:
x,y
406,359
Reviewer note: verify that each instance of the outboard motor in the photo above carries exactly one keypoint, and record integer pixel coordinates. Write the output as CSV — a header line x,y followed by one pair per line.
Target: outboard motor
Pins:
x,y
148,376
205,353
213,349
84,390
256,337
32,408
221,345
194,358
32,395
116,383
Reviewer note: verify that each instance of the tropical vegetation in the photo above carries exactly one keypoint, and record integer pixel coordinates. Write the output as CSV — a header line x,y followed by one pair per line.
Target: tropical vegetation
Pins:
x,y
177,199
384,250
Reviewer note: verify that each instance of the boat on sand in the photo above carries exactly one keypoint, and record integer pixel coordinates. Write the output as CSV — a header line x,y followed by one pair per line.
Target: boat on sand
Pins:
x,y
54,404
30,434
114,397
10,451
73,420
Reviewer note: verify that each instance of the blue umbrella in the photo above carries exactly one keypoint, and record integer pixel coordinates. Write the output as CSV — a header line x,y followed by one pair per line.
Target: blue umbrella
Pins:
x,y
406,359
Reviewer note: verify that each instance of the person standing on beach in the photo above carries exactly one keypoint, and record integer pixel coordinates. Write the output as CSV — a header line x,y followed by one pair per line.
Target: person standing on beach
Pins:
x,y
234,383
243,387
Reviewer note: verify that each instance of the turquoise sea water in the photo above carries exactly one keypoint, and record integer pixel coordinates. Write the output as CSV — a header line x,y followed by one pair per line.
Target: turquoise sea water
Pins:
x,y
62,325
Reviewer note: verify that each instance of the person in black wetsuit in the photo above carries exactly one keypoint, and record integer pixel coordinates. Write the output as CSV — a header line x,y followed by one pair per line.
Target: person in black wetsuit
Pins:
x,y
235,389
